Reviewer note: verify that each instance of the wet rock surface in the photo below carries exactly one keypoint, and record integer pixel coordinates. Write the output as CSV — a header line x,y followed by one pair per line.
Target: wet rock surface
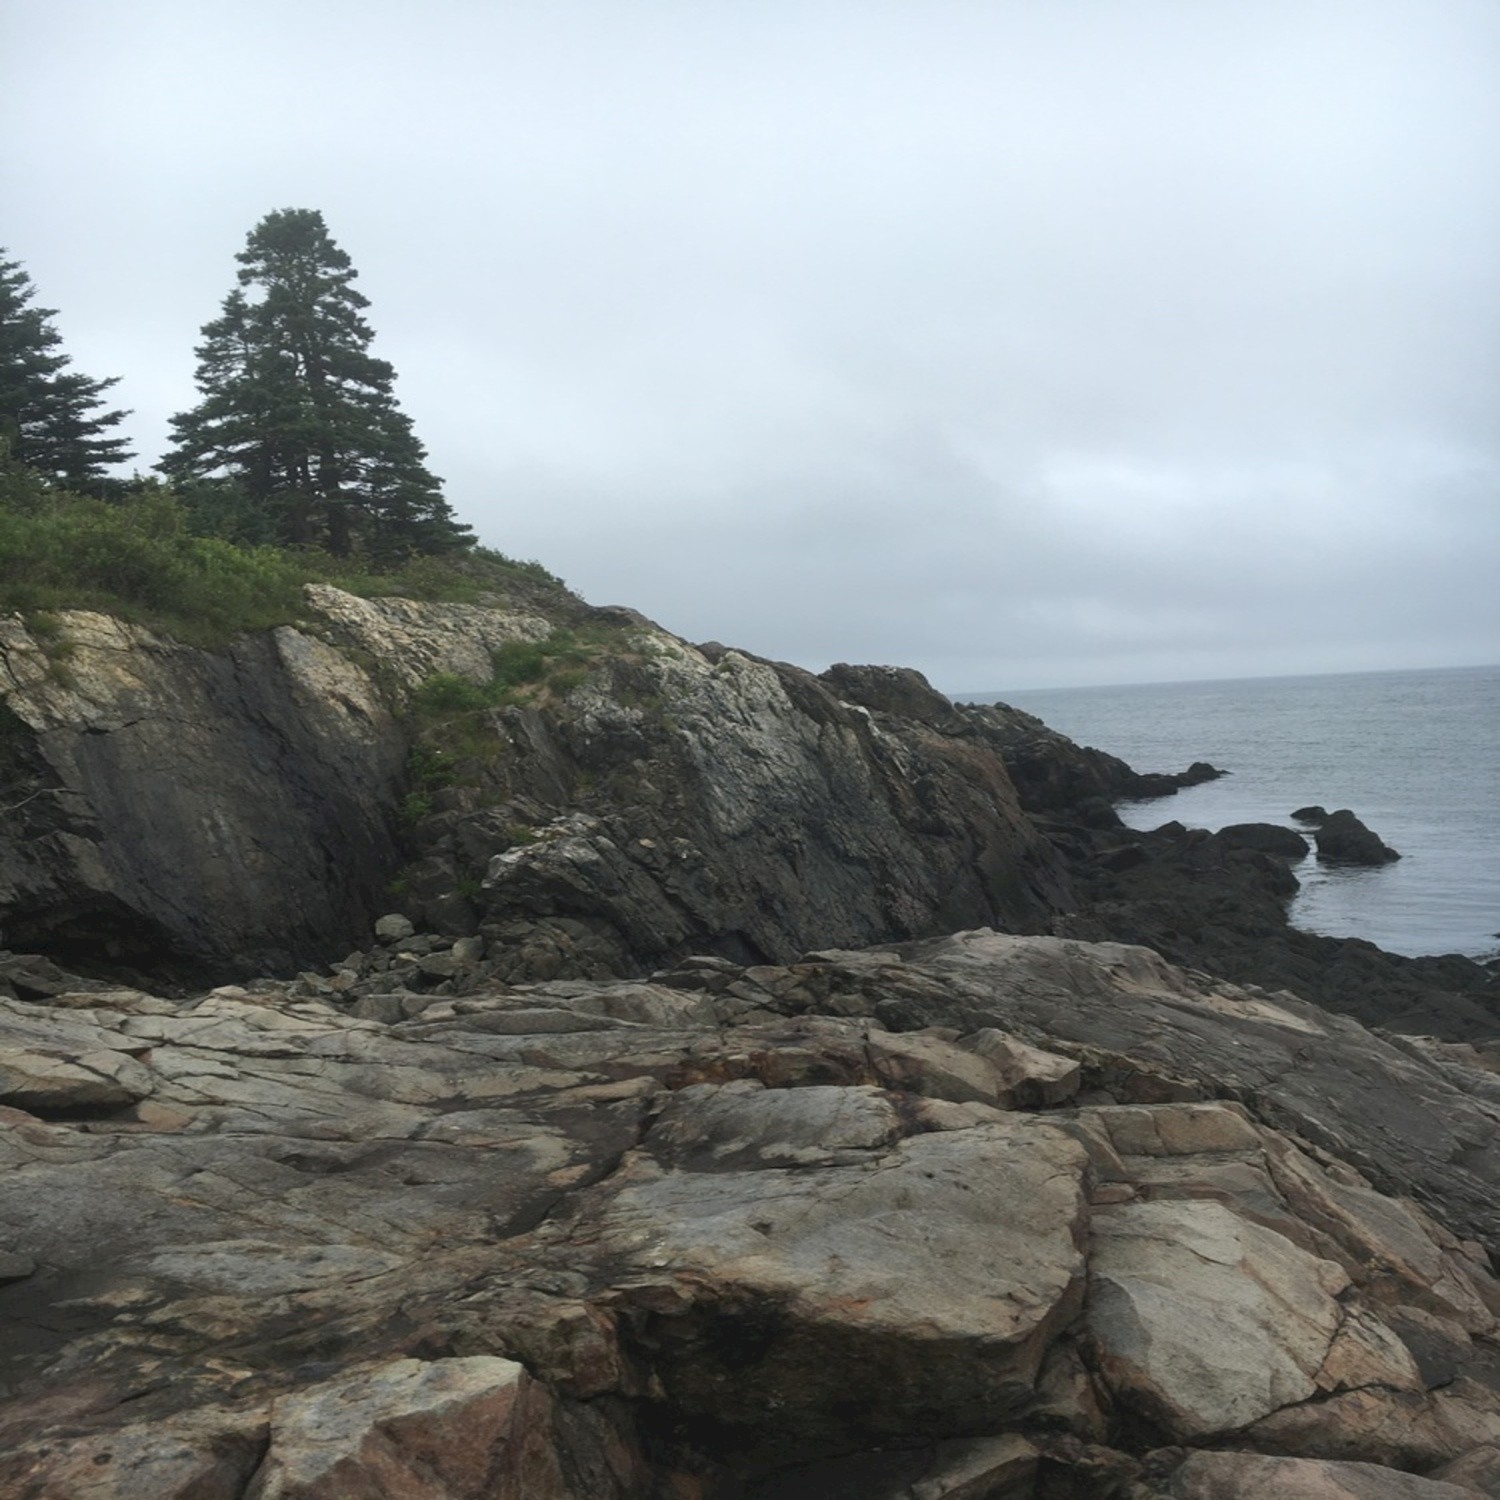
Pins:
x,y
983,1215
1207,904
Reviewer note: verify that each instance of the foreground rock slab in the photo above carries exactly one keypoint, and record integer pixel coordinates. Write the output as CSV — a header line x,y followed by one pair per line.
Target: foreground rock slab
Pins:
x,y
983,1216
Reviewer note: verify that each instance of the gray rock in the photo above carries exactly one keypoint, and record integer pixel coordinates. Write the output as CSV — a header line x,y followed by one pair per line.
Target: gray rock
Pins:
x,y
1249,1476
394,928
15,1267
801,1254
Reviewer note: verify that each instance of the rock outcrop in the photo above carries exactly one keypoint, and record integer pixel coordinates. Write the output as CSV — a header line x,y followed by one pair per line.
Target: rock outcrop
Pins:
x,y
688,1133
177,814
1343,839
178,811
986,1215
1207,904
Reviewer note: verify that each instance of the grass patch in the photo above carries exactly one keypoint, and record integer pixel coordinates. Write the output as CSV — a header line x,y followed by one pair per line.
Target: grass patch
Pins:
x,y
453,736
139,560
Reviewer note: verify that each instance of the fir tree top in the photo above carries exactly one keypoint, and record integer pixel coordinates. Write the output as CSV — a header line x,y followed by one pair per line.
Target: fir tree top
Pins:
x,y
49,415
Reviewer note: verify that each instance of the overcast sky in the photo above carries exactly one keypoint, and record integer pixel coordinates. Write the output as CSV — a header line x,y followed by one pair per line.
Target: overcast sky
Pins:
x,y
1029,342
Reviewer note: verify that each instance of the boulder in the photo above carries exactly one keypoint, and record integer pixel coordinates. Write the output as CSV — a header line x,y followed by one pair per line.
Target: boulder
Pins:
x,y
1343,839
889,690
394,928
1206,1323
439,1429
909,1294
208,1453
1268,838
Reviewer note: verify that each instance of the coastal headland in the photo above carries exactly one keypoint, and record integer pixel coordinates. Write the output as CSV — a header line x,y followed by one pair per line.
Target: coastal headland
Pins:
x,y
503,1049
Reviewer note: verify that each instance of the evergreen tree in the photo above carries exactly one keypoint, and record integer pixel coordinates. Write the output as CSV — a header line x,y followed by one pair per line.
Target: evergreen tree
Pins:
x,y
299,415
49,415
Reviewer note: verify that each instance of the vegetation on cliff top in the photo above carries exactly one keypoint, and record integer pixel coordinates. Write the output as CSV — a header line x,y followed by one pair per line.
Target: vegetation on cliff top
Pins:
x,y
144,559
297,466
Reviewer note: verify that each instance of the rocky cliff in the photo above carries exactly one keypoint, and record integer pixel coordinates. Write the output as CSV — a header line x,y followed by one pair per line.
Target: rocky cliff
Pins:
x,y
691,1133
236,812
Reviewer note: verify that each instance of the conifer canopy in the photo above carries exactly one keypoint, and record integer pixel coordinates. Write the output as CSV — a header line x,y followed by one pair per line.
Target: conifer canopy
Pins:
x,y
297,415
50,417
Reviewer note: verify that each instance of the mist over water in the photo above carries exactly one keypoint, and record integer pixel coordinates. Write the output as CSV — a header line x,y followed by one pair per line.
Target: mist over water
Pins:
x,y
1415,754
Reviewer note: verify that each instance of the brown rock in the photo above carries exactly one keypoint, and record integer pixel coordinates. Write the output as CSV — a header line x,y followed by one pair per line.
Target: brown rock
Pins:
x,y
405,1431
207,1454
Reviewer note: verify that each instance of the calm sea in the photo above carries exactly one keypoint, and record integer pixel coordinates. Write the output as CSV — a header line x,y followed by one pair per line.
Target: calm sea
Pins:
x,y
1415,754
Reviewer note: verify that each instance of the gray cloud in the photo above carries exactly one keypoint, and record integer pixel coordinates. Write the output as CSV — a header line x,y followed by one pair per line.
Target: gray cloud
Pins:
x,y
1027,344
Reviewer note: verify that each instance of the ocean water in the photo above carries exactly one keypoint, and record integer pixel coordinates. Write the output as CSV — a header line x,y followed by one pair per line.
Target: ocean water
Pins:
x,y
1416,754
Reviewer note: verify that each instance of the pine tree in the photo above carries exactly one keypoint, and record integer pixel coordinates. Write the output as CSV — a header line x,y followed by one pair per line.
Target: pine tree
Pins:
x,y
49,415
297,412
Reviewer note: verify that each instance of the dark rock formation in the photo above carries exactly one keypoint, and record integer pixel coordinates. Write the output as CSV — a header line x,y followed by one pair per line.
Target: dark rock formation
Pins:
x,y
183,811
175,811
1207,905
1267,838
674,800
1343,839
1053,774
890,690
679,803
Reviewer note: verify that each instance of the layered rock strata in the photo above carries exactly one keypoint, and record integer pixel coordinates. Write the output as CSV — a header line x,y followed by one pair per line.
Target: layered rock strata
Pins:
x,y
981,1216
174,810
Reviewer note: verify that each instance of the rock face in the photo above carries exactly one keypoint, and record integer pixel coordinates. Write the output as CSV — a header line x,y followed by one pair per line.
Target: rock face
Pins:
x,y
682,804
174,805
1054,775
985,1215
180,811
187,811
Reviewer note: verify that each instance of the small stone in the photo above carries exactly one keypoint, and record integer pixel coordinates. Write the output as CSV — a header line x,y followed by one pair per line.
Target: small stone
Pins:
x,y
15,1267
394,928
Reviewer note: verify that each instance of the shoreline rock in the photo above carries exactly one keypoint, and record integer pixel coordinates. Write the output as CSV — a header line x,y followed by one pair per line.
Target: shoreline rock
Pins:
x,y
747,1230
1343,839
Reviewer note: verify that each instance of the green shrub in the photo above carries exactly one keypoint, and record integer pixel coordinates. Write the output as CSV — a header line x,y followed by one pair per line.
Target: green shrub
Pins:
x,y
415,806
449,693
